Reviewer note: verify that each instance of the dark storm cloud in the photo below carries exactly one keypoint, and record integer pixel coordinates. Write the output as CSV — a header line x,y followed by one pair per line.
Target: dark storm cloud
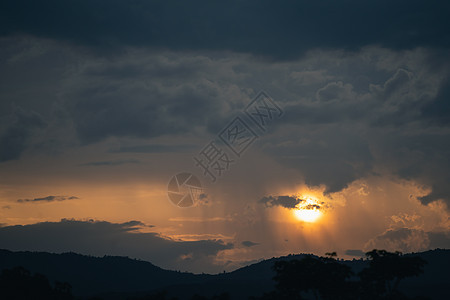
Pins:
x,y
14,138
47,199
249,244
114,113
100,238
346,133
275,28
346,116
283,201
105,102
110,163
438,111
439,192
334,156
422,155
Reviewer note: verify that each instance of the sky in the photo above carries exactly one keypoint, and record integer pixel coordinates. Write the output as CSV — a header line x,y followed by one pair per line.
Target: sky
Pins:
x,y
340,112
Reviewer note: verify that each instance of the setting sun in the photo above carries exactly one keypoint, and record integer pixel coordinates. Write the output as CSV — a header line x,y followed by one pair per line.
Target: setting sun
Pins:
x,y
308,210
307,215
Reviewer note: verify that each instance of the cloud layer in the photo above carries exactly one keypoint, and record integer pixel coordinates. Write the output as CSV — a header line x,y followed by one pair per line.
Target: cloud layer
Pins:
x,y
104,238
386,116
272,28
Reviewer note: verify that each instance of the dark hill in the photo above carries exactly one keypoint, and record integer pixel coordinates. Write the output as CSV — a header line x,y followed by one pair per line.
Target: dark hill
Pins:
x,y
122,277
93,275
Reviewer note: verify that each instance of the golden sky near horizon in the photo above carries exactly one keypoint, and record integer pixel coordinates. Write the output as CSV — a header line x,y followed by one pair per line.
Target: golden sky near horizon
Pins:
x,y
359,217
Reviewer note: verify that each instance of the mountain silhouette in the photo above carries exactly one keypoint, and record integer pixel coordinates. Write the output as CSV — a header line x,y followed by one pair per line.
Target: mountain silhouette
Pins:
x,y
113,277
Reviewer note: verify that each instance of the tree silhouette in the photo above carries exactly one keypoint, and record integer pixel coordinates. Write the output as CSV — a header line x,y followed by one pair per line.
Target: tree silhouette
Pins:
x,y
323,277
19,284
327,278
381,279
162,295
222,296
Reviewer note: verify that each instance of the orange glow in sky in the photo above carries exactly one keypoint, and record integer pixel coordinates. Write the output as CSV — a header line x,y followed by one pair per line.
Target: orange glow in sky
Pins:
x,y
308,210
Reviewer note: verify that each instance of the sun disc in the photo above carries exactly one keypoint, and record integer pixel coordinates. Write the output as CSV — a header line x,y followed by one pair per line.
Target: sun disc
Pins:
x,y
307,215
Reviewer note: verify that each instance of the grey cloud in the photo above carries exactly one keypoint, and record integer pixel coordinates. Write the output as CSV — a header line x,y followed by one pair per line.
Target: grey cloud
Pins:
x,y
394,102
14,139
335,91
350,132
133,223
154,148
439,240
249,244
438,111
48,199
393,84
421,155
438,192
308,78
144,104
369,111
402,239
103,238
334,156
284,201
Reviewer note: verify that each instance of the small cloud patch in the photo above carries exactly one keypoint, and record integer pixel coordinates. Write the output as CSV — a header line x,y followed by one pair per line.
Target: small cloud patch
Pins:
x,y
249,244
47,199
284,201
